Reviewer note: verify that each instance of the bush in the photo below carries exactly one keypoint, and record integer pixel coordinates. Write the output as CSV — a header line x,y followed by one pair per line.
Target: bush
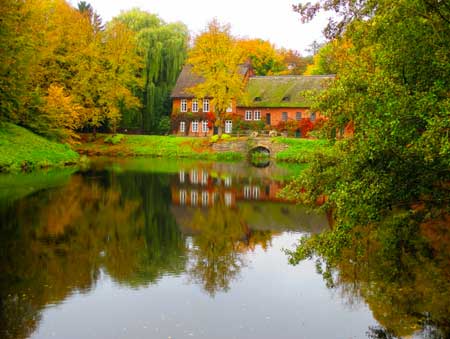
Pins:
x,y
114,139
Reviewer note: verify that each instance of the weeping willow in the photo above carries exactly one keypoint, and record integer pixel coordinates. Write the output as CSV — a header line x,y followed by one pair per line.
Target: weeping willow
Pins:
x,y
163,49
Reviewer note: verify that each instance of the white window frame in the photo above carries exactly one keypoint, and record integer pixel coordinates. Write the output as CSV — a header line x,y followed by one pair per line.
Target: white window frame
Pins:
x,y
205,127
182,126
183,195
248,115
194,105
247,192
205,198
257,115
255,192
182,176
228,199
194,198
183,106
228,126
194,126
205,105
298,116
284,114
194,177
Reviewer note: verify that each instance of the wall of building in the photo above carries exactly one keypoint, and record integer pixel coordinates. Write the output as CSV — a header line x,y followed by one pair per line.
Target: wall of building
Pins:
x,y
276,113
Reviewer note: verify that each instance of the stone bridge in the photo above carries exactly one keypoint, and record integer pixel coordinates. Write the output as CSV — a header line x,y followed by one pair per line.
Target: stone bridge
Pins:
x,y
247,146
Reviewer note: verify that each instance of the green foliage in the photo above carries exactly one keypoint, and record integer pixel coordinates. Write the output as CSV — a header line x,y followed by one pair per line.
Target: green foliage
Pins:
x,y
159,146
21,149
397,162
301,150
164,126
163,49
114,139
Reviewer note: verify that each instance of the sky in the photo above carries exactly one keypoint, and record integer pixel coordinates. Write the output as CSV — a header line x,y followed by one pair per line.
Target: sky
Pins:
x,y
272,20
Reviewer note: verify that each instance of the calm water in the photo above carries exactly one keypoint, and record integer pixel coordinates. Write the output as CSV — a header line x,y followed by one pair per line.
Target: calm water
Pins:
x,y
163,249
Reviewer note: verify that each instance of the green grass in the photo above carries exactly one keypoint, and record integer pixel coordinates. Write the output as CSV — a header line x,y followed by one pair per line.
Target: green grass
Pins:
x,y
300,150
171,147
21,149
17,185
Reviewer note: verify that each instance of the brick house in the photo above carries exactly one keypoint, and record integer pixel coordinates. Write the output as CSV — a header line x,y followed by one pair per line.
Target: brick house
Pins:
x,y
268,99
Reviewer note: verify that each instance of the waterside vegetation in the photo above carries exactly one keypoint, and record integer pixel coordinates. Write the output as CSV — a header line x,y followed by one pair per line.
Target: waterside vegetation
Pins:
x,y
22,150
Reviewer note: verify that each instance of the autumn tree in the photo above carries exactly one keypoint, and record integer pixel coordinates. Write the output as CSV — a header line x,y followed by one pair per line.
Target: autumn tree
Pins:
x,y
265,59
216,56
294,62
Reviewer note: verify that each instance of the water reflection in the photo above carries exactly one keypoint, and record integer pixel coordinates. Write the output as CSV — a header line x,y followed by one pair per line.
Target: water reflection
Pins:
x,y
402,272
134,226
146,223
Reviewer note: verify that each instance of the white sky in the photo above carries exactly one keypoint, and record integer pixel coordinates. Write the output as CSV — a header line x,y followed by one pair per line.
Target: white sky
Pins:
x,y
271,20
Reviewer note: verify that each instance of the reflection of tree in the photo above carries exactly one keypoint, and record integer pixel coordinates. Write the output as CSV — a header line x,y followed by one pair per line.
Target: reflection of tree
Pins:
x,y
56,241
401,271
222,238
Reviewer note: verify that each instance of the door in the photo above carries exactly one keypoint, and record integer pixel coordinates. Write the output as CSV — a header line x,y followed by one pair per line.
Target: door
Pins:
x,y
268,118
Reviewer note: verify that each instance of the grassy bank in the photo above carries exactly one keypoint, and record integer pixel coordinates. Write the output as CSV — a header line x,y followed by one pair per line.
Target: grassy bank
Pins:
x,y
300,150
171,147
21,149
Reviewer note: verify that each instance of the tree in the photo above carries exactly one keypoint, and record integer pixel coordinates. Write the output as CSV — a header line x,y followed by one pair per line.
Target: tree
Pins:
x,y
216,56
396,164
265,59
162,48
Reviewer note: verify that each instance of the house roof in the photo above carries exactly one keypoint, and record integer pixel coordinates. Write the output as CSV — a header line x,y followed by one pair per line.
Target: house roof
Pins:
x,y
188,79
282,91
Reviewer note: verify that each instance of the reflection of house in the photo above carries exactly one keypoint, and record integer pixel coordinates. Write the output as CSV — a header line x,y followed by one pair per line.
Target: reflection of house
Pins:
x,y
268,99
197,188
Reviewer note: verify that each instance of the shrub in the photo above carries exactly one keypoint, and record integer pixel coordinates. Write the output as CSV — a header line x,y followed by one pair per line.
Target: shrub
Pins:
x,y
114,139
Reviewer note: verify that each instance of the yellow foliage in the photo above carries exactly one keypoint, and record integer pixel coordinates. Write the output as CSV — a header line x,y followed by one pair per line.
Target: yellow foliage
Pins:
x,y
61,113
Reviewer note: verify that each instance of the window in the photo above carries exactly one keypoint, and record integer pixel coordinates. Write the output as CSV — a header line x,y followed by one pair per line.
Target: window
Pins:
x,y
286,98
228,126
183,105
257,115
195,126
228,199
182,126
204,178
284,116
183,197
194,198
206,105
205,198
182,176
194,176
312,117
247,191
298,116
248,115
257,99
205,126
194,105
255,192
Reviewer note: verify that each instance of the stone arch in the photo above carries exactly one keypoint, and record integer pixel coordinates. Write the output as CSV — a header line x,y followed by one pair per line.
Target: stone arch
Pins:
x,y
260,148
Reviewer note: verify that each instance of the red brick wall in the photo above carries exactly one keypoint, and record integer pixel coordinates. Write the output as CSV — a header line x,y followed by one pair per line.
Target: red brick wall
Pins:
x,y
276,113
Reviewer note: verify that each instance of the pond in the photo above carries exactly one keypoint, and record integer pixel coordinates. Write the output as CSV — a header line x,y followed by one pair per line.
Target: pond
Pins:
x,y
149,248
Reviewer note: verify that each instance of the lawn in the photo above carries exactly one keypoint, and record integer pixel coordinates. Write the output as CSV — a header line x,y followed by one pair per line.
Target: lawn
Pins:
x,y
21,149
301,150
171,147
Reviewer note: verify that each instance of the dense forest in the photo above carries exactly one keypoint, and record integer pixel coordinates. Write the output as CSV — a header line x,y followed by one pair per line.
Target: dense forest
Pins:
x,y
63,70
